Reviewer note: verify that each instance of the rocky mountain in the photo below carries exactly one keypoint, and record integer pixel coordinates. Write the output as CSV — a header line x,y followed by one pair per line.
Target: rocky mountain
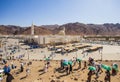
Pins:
x,y
10,29
91,29
70,29
38,30
50,27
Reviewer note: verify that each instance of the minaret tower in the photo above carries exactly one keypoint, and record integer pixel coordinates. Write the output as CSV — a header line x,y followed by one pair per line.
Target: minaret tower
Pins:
x,y
63,30
32,29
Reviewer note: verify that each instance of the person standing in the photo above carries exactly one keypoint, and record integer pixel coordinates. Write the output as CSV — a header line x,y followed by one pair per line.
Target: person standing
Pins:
x,y
61,64
27,72
1,75
45,68
97,71
89,76
12,65
70,69
79,62
114,68
21,67
6,69
107,76
85,64
66,69
74,61
9,77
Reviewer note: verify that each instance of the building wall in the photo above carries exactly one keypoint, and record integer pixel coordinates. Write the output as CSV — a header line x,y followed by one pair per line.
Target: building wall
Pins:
x,y
46,39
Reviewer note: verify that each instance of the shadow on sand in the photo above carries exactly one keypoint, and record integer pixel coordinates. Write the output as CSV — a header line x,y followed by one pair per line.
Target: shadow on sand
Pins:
x,y
62,76
59,70
23,77
42,71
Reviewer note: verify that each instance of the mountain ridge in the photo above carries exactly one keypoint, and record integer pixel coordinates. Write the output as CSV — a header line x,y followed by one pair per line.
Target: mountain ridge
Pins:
x,y
70,29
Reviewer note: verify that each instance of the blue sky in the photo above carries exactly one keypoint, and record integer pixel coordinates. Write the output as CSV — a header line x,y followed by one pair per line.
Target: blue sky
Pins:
x,y
42,12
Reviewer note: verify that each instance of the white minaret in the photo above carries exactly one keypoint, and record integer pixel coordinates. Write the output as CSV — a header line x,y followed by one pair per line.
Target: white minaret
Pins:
x,y
32,29
64,30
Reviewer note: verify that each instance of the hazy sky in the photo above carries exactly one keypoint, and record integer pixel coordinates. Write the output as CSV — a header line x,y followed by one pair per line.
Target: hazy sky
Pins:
x,y
41,12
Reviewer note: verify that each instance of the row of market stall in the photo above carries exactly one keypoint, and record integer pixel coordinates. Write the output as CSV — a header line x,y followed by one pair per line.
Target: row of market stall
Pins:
x,y
74,47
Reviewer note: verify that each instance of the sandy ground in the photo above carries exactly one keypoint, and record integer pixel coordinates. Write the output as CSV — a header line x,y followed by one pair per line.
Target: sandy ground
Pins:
x,y
37,75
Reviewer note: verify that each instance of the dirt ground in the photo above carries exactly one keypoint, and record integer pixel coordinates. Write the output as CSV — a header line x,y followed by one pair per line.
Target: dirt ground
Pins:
x,y
37,74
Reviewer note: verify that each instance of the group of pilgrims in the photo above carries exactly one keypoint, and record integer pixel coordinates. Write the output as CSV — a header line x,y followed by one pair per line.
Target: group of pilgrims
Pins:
x,y
95,68
6,70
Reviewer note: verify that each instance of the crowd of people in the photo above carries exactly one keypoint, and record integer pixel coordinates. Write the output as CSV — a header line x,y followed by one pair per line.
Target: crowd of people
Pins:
x,y
11,66
95,68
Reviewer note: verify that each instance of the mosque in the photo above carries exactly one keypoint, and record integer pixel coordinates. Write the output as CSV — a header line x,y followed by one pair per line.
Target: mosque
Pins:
x,y
61,37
